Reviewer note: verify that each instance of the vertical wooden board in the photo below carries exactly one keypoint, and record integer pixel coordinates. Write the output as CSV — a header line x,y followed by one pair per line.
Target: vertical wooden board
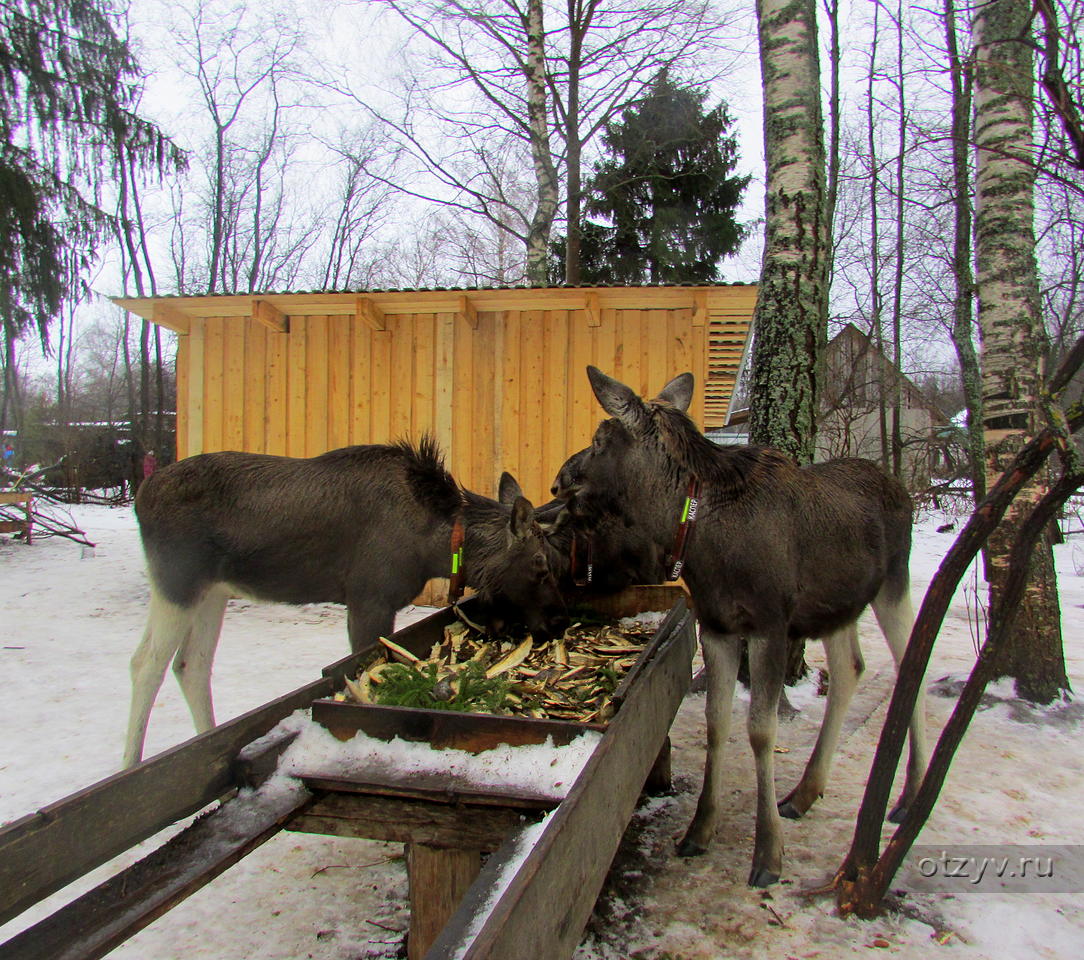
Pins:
x,y
361,382
700,371
182,371
277,393
296,382
682,350
606,341
486,392
532,347
214,349
254,438
628,326
555,398
461,457
316,392
233,397
380,386
401,382
508,450
658,371
339,335
584,412
444,382
421,408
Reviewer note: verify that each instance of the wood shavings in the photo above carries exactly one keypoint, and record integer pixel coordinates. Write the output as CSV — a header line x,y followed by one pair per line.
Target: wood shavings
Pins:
x,y
573,677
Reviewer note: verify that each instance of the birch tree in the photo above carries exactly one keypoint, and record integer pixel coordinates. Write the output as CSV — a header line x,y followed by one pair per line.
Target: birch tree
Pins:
x,y
792,301
1014,345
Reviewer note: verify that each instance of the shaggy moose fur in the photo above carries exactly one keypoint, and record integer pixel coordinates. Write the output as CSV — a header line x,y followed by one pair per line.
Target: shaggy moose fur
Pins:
x,y
366,526
778,551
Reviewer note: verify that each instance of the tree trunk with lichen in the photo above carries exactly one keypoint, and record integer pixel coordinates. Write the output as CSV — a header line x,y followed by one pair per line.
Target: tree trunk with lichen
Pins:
x,y
791,317
538,237
1012,332
791,310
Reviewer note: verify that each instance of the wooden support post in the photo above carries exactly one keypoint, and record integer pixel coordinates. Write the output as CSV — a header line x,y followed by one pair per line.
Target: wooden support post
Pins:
x,y
468,312
660,781
367,310
438,880
594,313
700,308
265,313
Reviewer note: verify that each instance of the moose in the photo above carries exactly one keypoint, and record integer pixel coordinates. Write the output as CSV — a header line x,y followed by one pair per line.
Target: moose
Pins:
x,y
777,552
366,526
594,553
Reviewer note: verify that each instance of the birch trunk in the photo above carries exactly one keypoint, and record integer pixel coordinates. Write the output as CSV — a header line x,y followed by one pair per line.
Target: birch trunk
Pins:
x,y
792,300
1013,339
963,337
545,171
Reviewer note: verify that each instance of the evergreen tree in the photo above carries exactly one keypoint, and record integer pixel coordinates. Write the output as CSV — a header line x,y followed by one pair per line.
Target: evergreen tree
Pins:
x,y
68,92
664,191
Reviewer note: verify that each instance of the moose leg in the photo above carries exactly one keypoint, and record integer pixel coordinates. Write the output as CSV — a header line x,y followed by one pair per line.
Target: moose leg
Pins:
x,y
767,666
722,653
896,618
845,666
368,619
192,665
167,627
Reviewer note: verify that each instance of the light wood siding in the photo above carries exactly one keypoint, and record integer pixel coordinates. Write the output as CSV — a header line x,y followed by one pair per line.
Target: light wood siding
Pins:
x,y
508,394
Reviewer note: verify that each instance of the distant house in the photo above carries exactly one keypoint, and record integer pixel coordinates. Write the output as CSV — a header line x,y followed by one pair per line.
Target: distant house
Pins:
x,y
856,375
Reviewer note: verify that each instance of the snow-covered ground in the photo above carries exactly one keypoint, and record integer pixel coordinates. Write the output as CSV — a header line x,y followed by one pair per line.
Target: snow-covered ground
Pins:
x,y
71,617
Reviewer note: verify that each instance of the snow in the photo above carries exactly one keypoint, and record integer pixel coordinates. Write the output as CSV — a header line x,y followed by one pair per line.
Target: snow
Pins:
x,y
72,616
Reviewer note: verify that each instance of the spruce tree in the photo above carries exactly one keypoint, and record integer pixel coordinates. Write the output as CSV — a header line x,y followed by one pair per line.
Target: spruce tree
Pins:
x,y
69,87
664,197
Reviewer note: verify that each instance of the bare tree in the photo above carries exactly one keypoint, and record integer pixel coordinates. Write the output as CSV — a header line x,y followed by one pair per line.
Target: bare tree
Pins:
x,y
1013,342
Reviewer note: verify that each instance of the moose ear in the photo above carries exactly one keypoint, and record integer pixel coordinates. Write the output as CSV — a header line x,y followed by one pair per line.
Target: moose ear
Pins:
x,y
508,489
617,400
679,391
522,518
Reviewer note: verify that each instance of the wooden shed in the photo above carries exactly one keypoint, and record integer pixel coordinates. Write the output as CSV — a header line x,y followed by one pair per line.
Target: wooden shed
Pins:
x,y
497,375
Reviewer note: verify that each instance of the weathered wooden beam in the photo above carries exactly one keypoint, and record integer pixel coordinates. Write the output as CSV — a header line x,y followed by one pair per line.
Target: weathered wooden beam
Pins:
x,y
468,311
171,318
43,852
438,880
265,313
103,918
367,309
473,732
591,307
397,820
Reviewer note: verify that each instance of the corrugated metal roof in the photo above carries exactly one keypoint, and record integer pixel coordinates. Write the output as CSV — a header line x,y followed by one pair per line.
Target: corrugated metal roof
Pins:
x,y
358,291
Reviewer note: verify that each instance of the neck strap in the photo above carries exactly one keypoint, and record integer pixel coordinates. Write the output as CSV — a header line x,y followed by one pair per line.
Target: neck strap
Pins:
x,y
456,581
675,561
583,560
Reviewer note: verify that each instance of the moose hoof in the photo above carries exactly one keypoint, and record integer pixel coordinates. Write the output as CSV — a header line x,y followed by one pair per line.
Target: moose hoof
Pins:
x,y
790,811
690,848
897,814
759,877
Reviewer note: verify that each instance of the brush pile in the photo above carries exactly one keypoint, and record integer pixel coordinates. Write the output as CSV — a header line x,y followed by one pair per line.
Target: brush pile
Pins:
x,y
570,678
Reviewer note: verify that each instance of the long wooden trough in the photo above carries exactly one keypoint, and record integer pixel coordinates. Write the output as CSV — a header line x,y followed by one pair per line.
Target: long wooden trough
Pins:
x,y
522,903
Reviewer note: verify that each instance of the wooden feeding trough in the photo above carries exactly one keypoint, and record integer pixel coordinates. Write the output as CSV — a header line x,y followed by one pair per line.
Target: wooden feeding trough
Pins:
x,y
517,905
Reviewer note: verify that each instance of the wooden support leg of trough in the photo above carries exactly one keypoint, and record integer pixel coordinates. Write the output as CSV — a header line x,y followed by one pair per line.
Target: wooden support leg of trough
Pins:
x,y
660,780
438,880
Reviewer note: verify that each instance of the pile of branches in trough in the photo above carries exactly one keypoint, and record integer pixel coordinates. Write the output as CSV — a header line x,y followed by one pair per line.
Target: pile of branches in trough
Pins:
x,y
47,513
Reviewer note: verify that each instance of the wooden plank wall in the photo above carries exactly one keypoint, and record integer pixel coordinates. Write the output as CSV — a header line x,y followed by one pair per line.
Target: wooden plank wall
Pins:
x,y
511,394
